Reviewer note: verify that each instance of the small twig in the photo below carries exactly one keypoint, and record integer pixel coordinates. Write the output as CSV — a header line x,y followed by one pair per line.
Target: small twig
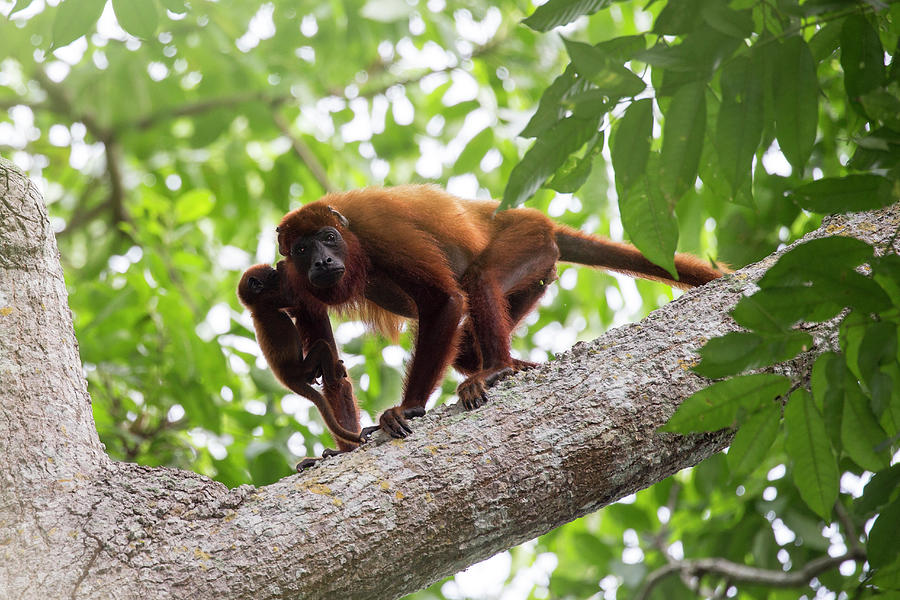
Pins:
x,y
851,534
203,106
117,187
60,100
738,573
304,152
83,215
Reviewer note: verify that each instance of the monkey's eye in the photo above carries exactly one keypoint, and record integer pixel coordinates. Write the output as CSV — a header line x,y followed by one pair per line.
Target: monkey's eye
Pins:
x,y
255,284
330,237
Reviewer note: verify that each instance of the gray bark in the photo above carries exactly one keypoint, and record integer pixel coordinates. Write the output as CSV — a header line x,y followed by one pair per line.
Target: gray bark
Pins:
x,y
552,445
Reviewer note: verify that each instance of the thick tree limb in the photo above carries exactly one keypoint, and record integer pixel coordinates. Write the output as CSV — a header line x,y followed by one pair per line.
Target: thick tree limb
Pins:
x,y
552,445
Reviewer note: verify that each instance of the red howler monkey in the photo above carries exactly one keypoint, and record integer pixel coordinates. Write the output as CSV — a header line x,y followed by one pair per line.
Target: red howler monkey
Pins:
x,y
418,252
260,290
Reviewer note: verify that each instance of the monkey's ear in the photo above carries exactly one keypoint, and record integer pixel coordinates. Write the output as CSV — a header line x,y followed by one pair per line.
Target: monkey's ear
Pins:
x,y
341,218
282,244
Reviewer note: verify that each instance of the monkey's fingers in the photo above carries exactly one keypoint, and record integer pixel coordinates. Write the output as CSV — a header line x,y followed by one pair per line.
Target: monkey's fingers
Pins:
x,y
340,371
523,365
368,431
310,461
472,393
394,423
307,463
314,375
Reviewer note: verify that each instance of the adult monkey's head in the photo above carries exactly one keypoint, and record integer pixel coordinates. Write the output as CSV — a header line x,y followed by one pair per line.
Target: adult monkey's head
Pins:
x,y
311,238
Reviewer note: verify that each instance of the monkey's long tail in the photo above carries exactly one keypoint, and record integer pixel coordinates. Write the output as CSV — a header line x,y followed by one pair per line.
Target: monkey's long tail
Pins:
x,y
582,248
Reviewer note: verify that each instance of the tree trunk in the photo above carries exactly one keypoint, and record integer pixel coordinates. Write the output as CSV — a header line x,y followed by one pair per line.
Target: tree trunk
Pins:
x,y
552,445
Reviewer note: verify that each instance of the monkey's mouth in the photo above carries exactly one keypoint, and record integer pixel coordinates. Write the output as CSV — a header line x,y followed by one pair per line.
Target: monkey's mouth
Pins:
x,y
327,277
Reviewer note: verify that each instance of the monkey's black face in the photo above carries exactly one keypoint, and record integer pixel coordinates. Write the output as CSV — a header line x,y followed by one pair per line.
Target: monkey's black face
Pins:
x,y
321,256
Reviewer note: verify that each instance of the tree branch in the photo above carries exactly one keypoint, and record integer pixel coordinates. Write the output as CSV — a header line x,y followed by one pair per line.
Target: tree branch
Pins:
x,y
61,101
303,152
201,107
551,445
738,573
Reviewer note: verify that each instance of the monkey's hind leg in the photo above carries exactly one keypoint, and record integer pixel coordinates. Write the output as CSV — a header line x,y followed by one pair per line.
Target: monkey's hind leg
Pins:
x,y
503,284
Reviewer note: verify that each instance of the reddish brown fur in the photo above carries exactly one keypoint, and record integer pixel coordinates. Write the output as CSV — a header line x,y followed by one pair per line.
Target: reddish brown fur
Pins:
x,y
282,346
418,252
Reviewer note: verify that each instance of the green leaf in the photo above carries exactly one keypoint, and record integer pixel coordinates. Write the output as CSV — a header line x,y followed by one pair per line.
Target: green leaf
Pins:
x,y
550,110
882,547
622,48
827,382
548,153
74,18
669,58
268,466
816,257
734,23
878,149
740,351
137,17
878,348
883,106
589,104
630,143
720,405
861,434
847,194
852,330
19,5
826,40
752,442
194,205
862,57
176,6
471,156
886,578
886,272
611,79
883,487
562,12
776,309
827,267
815,468
571,176
682,140
740,122
649,220
796,101
679,17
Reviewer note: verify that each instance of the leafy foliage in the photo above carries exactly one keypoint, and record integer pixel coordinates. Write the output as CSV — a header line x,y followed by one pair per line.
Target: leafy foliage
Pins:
x,y
169,137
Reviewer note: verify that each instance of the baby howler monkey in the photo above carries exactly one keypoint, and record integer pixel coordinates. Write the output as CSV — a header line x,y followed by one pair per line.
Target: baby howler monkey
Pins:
x,y
261,291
